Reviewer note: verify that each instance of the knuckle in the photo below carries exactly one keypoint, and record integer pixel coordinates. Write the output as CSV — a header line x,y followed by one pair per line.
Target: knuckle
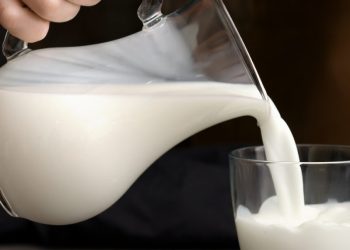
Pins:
x,y
41,31
57,11
21,25
33,33
8,16
50,6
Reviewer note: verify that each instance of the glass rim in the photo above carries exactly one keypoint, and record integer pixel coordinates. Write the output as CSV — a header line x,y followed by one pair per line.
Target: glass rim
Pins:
x,y
233,155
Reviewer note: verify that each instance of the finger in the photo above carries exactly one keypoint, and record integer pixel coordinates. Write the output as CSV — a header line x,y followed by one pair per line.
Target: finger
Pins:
x,y
53,10
22,22
85,2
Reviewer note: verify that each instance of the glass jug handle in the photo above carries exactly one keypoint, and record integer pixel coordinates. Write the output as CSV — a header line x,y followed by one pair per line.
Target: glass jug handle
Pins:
x,y
13,47
150,12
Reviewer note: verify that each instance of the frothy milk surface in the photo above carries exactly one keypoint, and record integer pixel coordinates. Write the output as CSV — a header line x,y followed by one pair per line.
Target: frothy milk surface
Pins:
x,y
321,227
78,148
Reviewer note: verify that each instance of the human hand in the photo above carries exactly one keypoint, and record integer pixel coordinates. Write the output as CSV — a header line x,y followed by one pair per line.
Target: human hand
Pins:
x,y
29,20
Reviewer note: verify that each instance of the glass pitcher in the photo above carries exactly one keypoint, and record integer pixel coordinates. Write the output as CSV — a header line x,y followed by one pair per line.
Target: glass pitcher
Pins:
x,y
81,124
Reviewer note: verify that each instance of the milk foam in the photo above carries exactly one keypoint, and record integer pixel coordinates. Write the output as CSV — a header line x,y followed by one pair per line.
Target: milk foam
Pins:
x,y
321,227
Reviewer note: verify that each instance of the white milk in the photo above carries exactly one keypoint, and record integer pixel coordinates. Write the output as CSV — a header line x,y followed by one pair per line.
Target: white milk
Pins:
x,y
279,145
322,227
76,148
68,152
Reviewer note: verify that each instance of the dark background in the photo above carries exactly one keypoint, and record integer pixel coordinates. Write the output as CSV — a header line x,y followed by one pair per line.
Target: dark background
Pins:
x,y
302,52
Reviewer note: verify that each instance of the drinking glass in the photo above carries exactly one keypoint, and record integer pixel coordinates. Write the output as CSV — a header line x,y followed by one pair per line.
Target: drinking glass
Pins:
x,y
325,220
